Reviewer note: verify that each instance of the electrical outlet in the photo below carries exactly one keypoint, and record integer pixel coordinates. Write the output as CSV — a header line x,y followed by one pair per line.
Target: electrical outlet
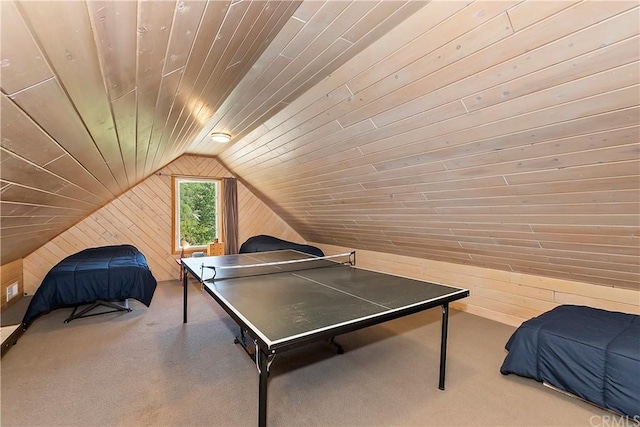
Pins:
x,y
12,291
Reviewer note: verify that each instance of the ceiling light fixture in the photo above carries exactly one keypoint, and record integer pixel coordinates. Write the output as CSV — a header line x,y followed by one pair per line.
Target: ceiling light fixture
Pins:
x,y
220,137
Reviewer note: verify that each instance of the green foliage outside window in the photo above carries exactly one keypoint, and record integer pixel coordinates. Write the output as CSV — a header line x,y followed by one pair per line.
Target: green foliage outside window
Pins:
x,y
197,212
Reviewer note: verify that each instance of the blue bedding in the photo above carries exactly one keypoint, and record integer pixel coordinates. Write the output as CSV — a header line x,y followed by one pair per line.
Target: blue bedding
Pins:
x,y
591,353
109,273
264,243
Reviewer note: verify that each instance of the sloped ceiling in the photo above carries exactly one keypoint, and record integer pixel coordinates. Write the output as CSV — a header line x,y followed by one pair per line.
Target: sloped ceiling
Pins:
x,y
501,134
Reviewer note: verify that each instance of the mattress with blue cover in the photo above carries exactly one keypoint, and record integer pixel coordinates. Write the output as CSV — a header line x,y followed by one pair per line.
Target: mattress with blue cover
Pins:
x,y
591,353
264,243
108,273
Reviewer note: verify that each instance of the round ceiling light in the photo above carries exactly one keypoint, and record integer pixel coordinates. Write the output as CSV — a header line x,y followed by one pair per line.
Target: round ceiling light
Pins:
x,y
220,137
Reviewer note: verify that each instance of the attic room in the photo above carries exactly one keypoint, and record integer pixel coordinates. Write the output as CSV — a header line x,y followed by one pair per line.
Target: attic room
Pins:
x,y
485,150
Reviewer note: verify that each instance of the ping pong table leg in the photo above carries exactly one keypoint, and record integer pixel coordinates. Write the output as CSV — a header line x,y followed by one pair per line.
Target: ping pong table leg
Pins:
x,y
184,295
263,368
443,344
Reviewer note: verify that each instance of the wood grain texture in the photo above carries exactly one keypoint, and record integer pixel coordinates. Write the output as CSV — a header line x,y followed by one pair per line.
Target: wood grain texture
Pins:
x,y
142,217
11,273
500,135
503,296
23,64
98,92
467,148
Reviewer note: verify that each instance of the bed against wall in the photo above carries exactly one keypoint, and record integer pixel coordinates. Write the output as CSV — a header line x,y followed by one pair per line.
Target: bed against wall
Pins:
x,y
590,353
99,275
265,243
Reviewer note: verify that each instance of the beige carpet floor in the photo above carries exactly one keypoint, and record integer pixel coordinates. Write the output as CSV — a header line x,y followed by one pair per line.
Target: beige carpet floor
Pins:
x,y
147,368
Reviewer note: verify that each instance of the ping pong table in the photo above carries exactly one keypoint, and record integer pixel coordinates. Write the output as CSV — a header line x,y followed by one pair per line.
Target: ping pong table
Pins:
x,y
285,299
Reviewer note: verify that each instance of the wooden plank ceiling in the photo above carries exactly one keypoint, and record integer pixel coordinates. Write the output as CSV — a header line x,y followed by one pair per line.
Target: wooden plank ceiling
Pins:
x,y
500,134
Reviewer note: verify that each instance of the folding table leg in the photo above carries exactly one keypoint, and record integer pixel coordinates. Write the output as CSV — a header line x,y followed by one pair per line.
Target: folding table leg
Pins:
x,y
263,369
184,295
443,344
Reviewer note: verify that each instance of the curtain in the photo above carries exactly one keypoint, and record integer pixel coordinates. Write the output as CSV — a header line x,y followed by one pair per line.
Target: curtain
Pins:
x,y
230,215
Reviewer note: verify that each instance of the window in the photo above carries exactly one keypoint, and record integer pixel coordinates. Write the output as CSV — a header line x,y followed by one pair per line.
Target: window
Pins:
x,y
196,218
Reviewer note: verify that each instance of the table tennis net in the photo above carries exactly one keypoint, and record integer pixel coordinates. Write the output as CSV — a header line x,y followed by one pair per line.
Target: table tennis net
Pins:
x,y
292,265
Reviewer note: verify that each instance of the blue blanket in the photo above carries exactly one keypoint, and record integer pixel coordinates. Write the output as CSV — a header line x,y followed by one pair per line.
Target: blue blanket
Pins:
x,y
593,354
264,243
109,273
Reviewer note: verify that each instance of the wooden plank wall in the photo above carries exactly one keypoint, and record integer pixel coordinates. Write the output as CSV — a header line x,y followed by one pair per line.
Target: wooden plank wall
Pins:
x,y
142,217
11,273
96,95
497,134
506,297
